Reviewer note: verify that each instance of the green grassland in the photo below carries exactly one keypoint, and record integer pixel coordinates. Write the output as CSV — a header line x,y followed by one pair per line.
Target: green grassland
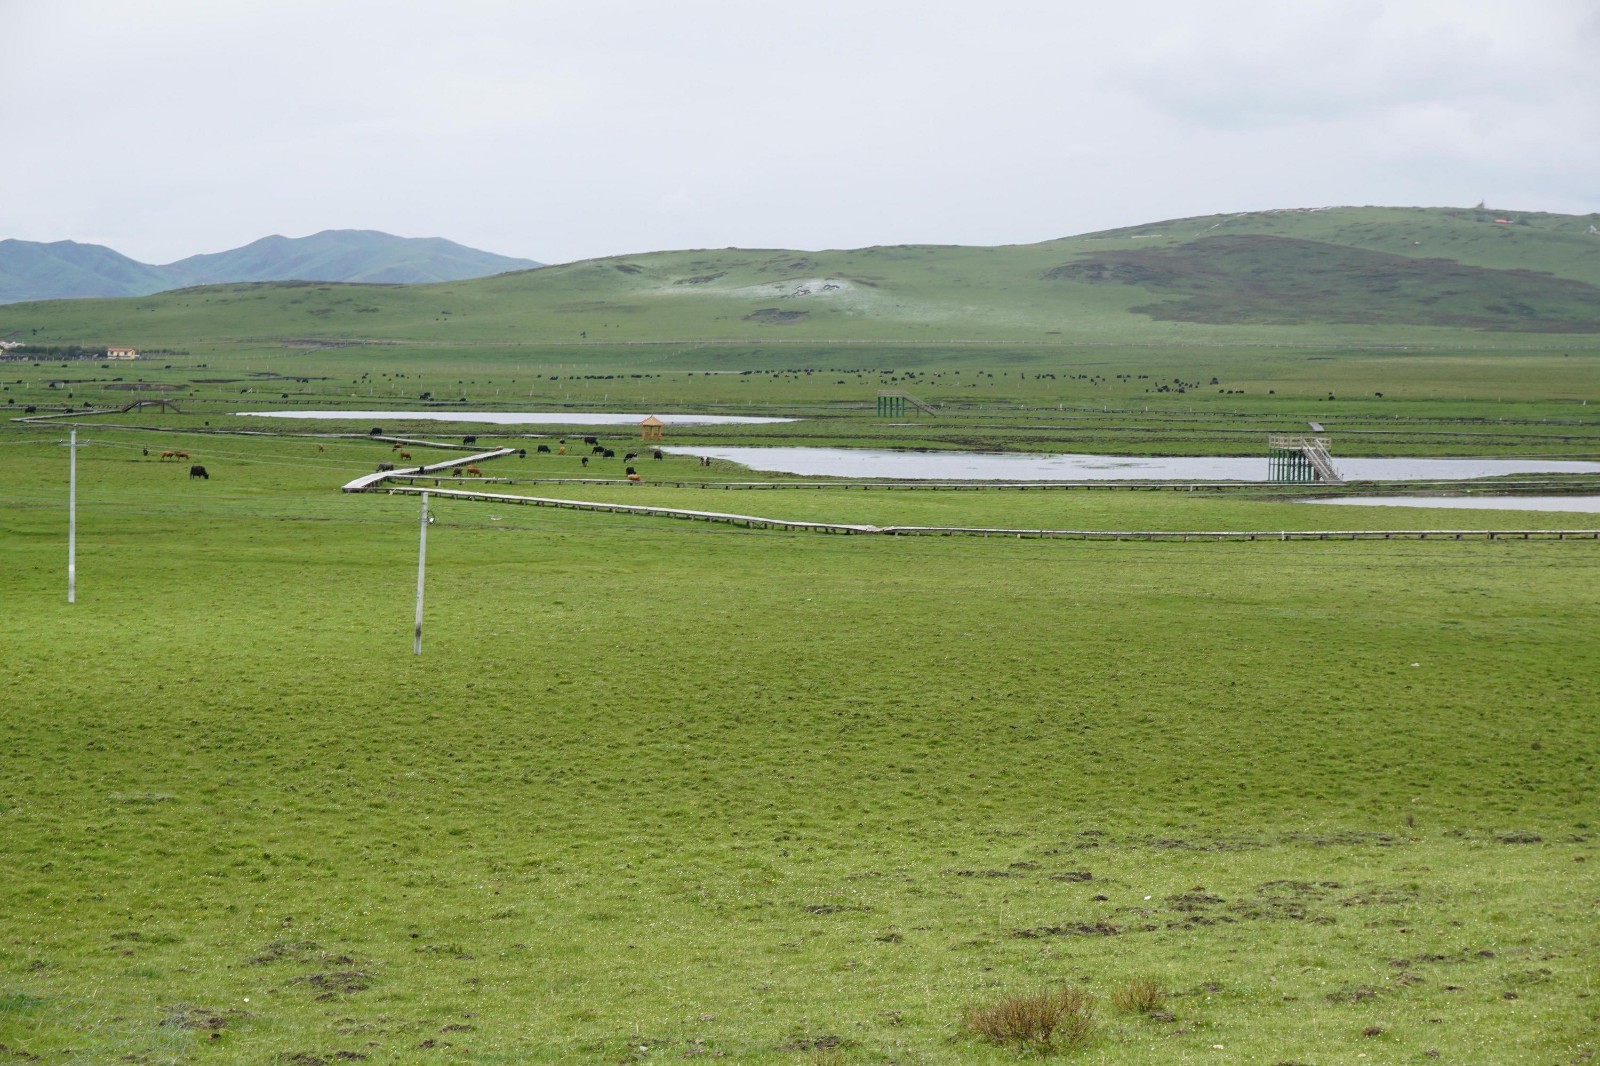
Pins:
x,y
1102,400
1405,331
657,789
653,790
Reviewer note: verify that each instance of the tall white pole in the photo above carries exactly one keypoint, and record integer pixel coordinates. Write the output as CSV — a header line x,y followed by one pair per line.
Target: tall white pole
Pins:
x,y
422,563
72,521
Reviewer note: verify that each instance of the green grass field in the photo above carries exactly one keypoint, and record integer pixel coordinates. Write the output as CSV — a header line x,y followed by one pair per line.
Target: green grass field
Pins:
x,y
655,790
658,790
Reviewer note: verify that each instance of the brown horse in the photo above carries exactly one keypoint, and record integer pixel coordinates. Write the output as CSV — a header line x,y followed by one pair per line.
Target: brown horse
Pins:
x,y
168,455
405,455
180,455
473,471
396,447
320,448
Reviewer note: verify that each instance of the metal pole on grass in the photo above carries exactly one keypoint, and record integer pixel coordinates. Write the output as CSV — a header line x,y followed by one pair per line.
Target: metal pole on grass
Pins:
x,y
72,521
422,563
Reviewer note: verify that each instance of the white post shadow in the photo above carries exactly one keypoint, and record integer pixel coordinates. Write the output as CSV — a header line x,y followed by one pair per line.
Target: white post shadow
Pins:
x,y
422,564
72,521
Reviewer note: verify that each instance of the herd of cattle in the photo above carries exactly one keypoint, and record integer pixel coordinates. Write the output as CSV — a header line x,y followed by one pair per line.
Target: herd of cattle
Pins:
x,y
596,449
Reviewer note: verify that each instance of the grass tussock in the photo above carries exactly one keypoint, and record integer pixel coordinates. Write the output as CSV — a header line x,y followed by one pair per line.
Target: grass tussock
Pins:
x,y
1051,1019
1139,996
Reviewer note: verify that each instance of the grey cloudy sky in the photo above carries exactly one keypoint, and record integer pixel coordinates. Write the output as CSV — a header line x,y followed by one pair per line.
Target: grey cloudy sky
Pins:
x,y
561,131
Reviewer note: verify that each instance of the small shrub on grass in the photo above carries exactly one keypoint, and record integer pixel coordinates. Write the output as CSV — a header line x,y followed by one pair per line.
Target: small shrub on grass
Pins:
x,y
1053,1018
1139,996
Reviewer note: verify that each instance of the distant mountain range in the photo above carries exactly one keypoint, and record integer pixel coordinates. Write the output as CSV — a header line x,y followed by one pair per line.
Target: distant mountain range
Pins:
x,y
30,270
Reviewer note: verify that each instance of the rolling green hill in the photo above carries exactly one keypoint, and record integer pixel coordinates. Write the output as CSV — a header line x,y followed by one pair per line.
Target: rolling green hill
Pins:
x,y
1354,276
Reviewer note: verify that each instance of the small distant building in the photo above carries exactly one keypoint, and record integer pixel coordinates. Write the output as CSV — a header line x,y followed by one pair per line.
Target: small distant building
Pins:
x,y
650,428
122,353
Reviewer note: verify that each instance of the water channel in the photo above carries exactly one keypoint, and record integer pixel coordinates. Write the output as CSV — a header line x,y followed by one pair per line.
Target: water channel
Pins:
x,y
523,418
976,466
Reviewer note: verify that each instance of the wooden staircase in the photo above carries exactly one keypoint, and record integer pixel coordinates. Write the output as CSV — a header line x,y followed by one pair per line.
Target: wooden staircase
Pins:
x,y
1302,459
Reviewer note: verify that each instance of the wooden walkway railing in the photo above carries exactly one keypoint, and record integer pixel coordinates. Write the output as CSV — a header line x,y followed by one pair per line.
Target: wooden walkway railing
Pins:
x,y
762,522
924,407
368,482
387,481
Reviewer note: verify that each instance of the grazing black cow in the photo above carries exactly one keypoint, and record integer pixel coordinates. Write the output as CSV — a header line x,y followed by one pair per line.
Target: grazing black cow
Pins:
x,y
607,453
630,457
591,440
585,460
522,453
598,449
30,409
385,466
657,454
630,470
375,431
469,440
544,447
199,471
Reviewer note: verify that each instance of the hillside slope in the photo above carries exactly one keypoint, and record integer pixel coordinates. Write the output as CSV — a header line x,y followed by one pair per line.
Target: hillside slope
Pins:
x,y
1346,276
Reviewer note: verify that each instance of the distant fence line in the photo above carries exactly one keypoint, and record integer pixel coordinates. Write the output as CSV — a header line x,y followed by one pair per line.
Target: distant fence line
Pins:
x,y
370,484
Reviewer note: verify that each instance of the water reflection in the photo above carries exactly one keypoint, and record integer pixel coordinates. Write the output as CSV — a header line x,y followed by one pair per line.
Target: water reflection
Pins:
x,y
978,466
524,418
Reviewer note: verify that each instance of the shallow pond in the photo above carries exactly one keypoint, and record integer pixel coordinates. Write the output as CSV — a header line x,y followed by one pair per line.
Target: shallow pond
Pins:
x,y
977,466
523,418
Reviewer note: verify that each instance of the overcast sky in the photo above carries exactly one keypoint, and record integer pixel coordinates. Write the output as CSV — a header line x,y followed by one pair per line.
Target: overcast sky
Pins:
x,y
565,130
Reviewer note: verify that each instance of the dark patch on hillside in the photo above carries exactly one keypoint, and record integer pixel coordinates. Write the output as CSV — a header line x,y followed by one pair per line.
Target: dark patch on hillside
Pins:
x,y
774,316
1261,280
802,265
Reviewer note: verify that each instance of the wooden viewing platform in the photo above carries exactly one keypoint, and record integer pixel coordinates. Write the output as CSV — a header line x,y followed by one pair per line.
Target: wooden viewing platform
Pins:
x,y
1300,459
893,402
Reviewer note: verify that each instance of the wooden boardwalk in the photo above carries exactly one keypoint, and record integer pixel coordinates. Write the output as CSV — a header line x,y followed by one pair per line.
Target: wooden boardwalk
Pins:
x,y
762,522
368,482
388,481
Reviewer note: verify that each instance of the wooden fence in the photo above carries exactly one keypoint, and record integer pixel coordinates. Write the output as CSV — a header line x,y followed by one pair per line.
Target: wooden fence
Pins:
x,y
761,522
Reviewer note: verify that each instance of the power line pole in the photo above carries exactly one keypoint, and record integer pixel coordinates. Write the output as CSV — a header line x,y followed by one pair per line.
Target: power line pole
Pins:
x,y
72,521
422,563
